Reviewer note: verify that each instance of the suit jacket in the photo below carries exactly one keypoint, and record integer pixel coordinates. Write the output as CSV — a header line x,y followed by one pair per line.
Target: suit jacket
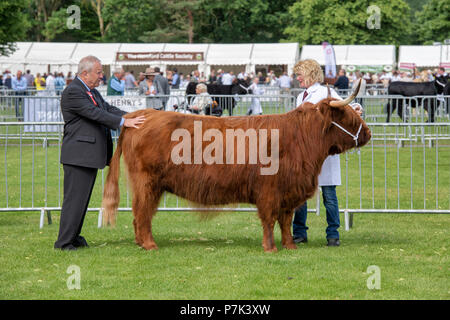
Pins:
x,y
87,138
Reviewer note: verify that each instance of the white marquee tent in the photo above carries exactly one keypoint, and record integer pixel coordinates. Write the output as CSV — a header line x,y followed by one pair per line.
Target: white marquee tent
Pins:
x,y
382,56
424,56
53,56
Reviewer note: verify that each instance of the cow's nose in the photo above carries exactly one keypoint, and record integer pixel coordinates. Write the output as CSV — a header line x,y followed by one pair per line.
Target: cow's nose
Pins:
x,y
364,137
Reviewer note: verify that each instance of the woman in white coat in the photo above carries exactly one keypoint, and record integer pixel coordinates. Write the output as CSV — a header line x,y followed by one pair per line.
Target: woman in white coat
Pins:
x,y
310,75
255,107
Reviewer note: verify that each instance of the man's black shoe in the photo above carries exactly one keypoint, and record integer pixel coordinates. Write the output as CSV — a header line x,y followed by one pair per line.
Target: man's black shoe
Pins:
x,y
300,240
333,243
69,247
80,242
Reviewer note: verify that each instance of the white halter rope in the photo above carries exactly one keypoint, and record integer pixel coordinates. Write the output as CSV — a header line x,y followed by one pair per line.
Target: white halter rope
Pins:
x,y
355,137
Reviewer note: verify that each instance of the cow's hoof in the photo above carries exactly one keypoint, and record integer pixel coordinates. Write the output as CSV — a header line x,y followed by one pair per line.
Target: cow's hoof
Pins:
x,y
149,246
274,249
290,246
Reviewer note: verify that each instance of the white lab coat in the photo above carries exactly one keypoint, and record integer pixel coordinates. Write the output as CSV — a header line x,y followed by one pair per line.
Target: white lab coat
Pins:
x,y
331,168
256,103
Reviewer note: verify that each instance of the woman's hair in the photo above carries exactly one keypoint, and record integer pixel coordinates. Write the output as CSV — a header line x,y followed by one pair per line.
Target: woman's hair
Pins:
x,y
310,70
202,87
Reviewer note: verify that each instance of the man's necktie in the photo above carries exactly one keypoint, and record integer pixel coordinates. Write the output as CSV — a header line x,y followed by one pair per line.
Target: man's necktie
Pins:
x,y
305,94
92,97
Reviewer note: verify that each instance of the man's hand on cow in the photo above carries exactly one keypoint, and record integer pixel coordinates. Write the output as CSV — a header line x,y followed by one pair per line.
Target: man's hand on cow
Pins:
x,y
134,122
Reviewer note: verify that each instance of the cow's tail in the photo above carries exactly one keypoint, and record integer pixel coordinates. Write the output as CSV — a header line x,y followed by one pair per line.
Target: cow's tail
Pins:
x,y
111,193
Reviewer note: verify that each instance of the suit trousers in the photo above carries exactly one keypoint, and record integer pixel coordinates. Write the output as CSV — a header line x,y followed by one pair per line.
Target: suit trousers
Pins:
x,y
78,185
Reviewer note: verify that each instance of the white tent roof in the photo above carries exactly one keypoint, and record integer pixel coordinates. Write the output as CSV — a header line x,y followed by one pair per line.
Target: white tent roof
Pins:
x,y
353,54
41,52
424,56
38,55
17,56
229,54
106,52
275,53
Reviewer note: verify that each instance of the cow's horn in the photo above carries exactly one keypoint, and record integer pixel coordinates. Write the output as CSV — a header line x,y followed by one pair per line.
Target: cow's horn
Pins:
x,y
341,103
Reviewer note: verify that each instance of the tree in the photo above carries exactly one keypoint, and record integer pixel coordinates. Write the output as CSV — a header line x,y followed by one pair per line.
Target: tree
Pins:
x,y
127,20
349,22
98,5
244,20
13,24
433,22
176,21
40,12
57,29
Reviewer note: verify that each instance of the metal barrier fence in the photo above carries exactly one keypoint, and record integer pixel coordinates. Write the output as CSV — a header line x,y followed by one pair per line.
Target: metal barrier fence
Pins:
x,y
404,169
401,109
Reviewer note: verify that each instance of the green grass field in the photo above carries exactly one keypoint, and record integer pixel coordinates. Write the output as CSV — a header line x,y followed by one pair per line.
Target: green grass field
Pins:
x,y
222,258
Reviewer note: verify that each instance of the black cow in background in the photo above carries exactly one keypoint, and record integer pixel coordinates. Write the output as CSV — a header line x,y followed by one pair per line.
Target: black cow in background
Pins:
x,y
413,89
239,87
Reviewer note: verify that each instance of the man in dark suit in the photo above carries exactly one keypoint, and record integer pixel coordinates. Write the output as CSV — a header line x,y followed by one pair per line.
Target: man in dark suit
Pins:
x,y
87,146
162,82
342,81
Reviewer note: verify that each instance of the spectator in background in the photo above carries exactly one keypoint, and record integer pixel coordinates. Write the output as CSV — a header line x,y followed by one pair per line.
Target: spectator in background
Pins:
x,y
116,84
30,78
385,79
1,80
242,75
227,79
295,85
141,78
69,78
195,76
285,82
342,81
59,83
39,82
151,89
184,81
442,76
50,84
219,76
163,83
202,99
261,77
130,80
19,85
396,76
212,77
175,79
169,77
7,82
255,107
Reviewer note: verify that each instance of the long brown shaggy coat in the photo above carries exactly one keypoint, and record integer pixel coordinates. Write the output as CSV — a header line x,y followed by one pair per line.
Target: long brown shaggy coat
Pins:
x,y
306,136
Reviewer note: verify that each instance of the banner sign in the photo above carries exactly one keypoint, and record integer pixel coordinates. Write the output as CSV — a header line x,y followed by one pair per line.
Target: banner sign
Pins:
x,y
330,60
128,104
407,66
160,56
367,68
445,65
45,109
